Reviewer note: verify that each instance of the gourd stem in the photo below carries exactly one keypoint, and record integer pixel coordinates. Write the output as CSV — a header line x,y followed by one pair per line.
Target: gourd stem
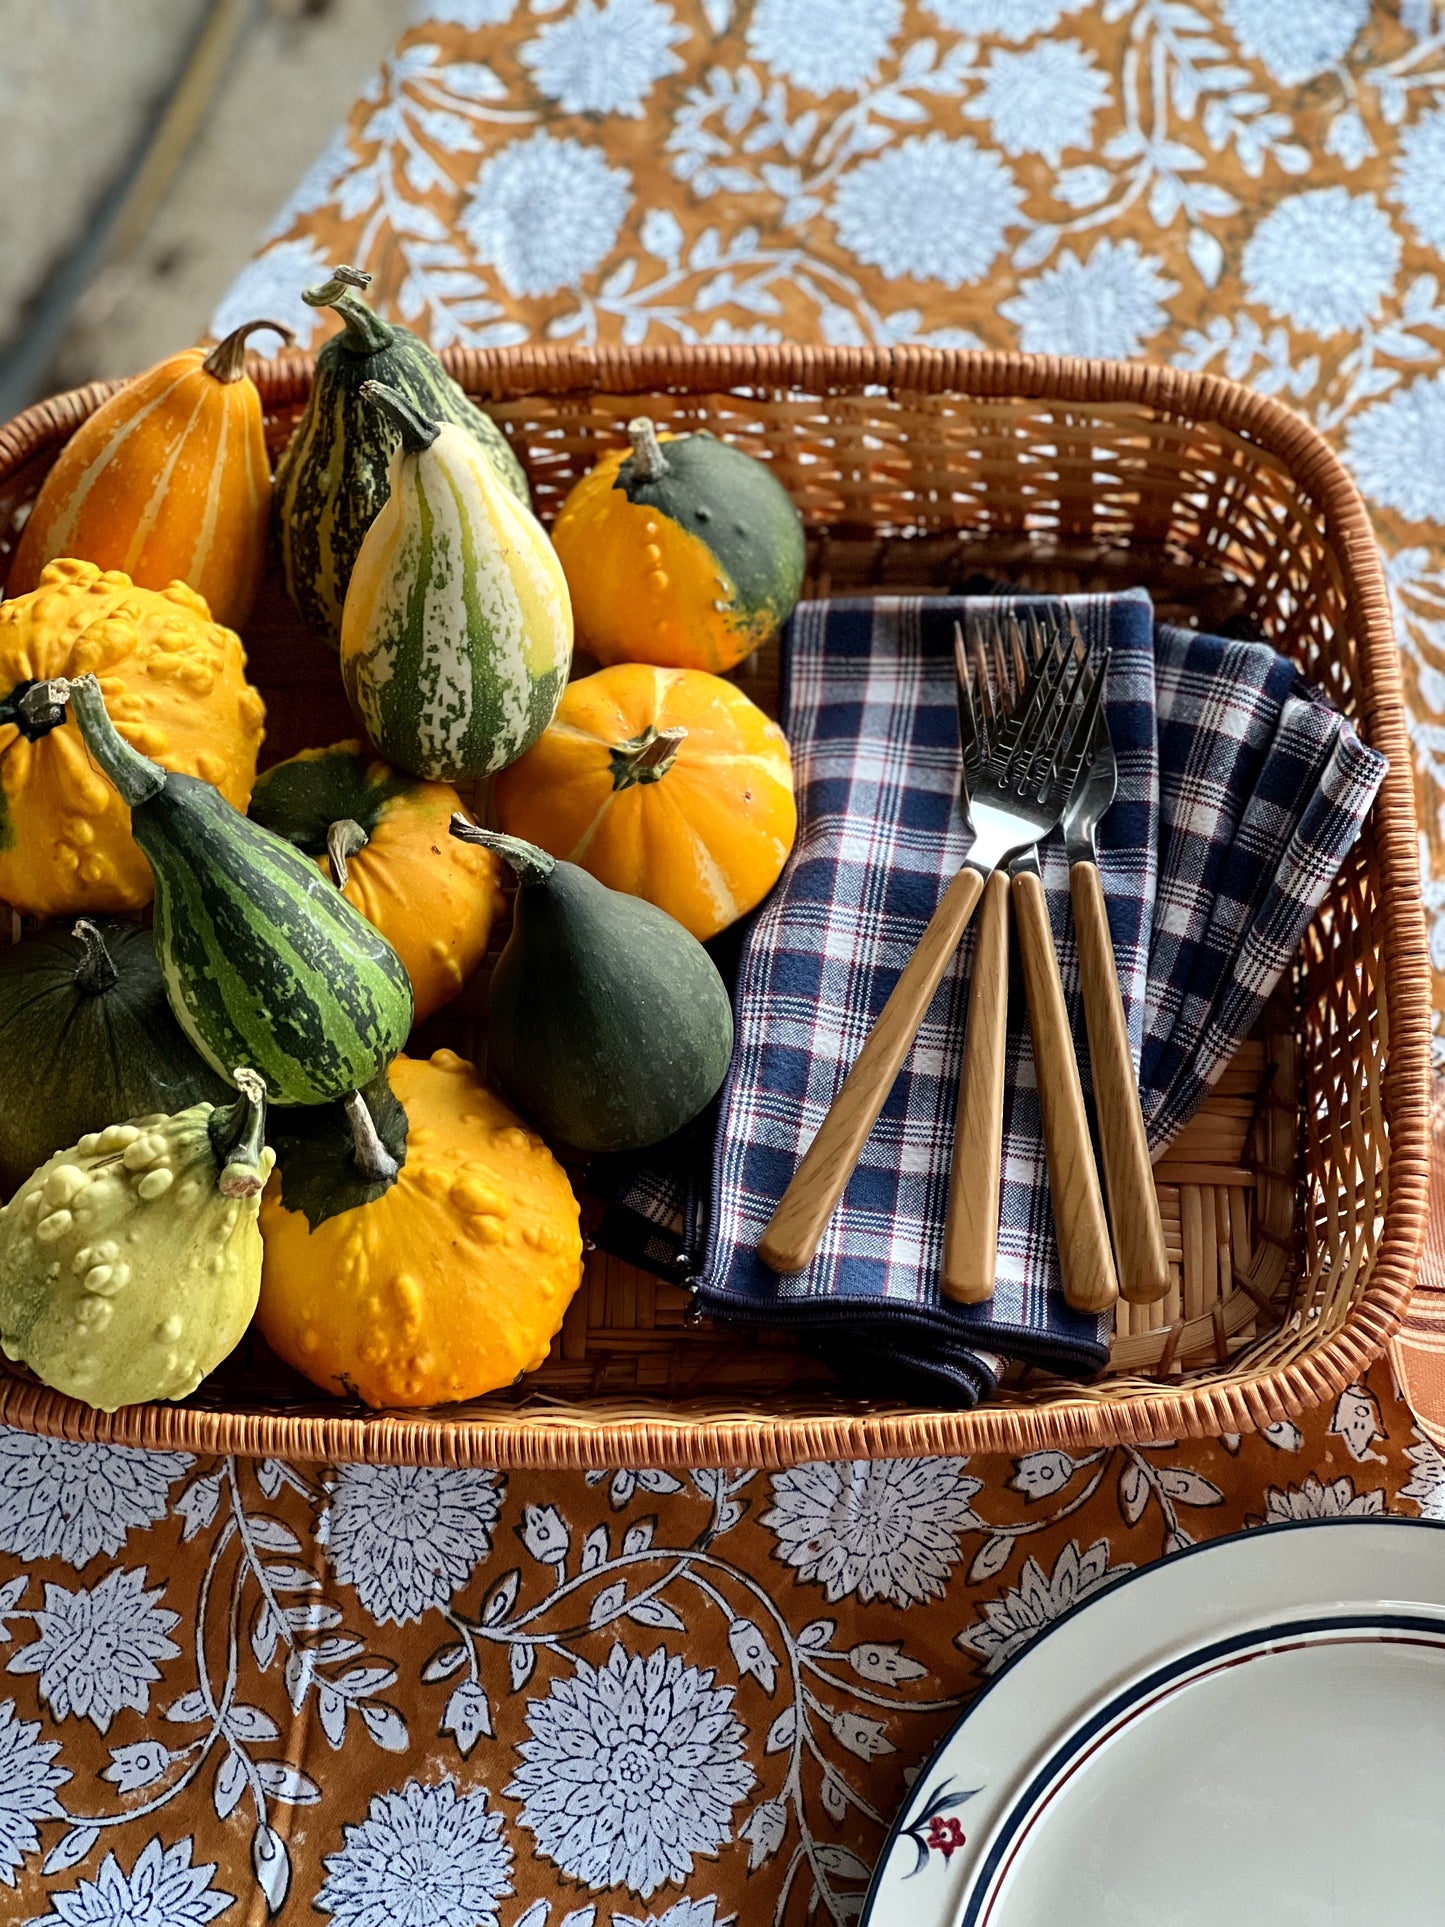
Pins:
x,y
136,777
529,864
648,460
647,757
36,708
373,1160
417,431
96,973
345,839
238,1137
365,333
227,360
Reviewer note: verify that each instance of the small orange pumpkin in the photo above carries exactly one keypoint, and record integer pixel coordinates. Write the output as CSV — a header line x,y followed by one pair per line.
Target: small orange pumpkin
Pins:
x,y
383,837
450,1282
666,783
168,480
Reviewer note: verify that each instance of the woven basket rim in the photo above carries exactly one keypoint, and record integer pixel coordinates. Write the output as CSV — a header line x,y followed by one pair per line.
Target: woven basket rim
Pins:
x,y
679,1439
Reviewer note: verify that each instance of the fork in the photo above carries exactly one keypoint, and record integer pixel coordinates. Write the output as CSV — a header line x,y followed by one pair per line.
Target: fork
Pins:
x,y
1086,1260
1018,768
1123,1148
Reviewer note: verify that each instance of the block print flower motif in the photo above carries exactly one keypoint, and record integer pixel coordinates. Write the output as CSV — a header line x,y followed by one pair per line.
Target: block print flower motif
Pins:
x,y
162,1889
1015,20
932,208
1009,1623
545,212
1323,260
1043,100
1315,1500
1419,178
271,285
1299,39
406,1536
1109,305
28,1779
96,1651
827,46
684,1913
468,13
606,56
632,1769
424,1857
70,1501
1426,1484
885,1530
1394,449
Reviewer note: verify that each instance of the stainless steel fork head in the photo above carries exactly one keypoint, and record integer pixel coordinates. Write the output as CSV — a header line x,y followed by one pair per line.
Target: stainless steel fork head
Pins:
x,y
1024,742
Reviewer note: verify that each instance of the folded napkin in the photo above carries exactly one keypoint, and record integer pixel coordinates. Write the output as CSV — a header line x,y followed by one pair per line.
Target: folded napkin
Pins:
x,y
1239,794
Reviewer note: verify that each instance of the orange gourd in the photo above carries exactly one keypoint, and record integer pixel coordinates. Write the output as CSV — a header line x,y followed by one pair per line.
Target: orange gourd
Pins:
x,y
682,551
169,480
448,1284
384,838
175,685
666,783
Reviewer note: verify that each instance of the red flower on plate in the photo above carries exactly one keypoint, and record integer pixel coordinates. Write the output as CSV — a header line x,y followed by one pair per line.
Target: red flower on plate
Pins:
x,y
945,1834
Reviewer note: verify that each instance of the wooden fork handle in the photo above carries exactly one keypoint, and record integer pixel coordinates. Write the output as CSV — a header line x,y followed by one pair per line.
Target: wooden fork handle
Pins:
x,y
1128,1178
1085,1260
970,1233
822,1177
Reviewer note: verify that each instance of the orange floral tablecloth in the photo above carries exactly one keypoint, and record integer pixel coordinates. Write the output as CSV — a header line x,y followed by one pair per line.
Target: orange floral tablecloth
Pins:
x,y
453,1699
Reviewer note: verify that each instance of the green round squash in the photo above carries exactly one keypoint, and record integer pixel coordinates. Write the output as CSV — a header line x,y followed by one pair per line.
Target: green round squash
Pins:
x,y
608,1024
87,1039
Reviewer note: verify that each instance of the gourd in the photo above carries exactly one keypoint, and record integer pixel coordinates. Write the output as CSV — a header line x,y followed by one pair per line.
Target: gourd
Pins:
x,y
333,477
666,783
381,836
265,963
683,552
168,480
87,1036
130,1264
445,1283
457,636
178,686
607,1023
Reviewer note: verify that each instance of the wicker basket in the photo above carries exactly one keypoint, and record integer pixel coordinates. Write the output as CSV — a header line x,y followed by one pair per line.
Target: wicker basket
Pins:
x,y
1294,1202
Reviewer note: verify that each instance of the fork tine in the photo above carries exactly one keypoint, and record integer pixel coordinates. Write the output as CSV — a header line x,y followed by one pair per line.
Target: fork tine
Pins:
x,y
1034,726
972,740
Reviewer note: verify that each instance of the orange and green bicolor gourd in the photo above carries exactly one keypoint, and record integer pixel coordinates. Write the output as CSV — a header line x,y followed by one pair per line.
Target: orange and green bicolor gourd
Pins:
x,y
681,551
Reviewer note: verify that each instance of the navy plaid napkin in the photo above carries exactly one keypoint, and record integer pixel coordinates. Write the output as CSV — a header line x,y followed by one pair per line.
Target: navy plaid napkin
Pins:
x,y
1248,787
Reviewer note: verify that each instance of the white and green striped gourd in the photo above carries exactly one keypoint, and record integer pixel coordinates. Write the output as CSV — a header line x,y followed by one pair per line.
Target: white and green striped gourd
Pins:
x,y
457,633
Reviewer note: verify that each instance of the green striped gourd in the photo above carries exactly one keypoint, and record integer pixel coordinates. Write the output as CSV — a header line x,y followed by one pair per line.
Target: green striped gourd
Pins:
x,y
457,636
333,477
265,962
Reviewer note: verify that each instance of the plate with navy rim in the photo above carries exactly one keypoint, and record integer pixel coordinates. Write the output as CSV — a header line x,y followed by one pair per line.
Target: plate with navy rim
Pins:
x,y
1250,1733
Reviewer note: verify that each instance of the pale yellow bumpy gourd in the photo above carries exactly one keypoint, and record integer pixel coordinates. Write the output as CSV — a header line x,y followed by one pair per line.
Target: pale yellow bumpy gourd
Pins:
x,y
130,1265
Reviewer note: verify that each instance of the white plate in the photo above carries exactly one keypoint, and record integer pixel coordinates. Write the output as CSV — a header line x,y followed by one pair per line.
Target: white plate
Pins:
x,y
1248,1734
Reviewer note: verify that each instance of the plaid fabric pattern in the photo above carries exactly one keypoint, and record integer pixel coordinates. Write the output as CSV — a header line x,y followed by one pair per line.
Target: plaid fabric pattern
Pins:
x,y
1263,787
1242,786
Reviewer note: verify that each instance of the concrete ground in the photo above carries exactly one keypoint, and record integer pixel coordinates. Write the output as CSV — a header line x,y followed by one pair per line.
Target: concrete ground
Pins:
x,y
84,85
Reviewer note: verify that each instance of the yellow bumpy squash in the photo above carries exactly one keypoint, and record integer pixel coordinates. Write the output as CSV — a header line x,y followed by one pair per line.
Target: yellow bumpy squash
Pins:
x,y
174,684
449,1282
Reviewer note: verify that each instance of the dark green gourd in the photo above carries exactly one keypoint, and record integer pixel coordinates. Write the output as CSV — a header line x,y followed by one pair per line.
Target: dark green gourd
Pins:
x,y
265,963
87,1039
608,1024
334,474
